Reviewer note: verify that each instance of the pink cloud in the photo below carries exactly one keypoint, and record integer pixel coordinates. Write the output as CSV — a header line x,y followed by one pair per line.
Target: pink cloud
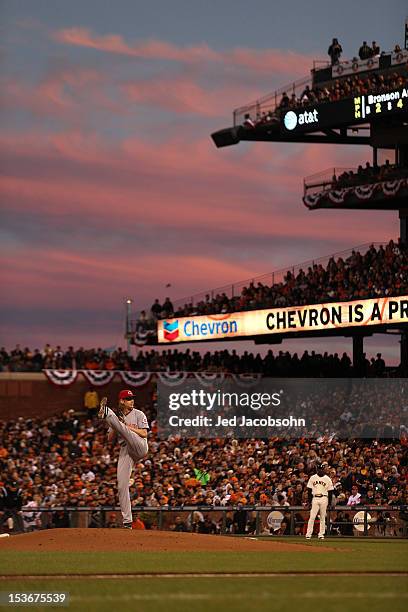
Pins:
x,y
180,184
77,94
182,94
210,218
152,49
60,93
262,61
83,280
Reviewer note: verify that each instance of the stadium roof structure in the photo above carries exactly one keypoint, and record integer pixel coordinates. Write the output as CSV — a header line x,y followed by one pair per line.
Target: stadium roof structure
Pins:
x,y
333,106
378,118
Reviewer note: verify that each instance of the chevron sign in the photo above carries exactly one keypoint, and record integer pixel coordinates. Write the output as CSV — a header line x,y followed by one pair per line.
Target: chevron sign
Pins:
x,y
170,330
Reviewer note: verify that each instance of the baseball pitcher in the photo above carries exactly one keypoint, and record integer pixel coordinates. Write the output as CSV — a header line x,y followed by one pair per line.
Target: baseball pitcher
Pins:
x,y
129,426
320,487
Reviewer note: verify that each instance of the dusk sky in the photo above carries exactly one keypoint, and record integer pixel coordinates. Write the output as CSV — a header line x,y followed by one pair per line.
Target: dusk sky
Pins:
x,y
110,183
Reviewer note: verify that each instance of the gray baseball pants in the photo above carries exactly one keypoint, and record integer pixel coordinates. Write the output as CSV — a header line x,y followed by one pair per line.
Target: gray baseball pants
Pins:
x,y
319,506
136,448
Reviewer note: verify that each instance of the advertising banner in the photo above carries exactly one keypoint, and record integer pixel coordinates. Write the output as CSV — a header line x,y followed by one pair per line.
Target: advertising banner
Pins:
x,y
311,318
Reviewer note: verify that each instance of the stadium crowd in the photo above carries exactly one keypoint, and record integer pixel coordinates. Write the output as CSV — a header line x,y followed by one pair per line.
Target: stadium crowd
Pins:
x,y
282,363
365,52
367,174
66,460
363,175
345,87
378,272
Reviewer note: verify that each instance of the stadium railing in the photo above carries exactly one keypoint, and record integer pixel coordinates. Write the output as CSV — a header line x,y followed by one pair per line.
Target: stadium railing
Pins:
x,y
322,74
341,521
321,182
271,278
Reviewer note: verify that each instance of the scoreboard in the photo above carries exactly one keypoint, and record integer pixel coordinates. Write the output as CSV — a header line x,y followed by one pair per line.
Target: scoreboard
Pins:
x,y
359,109
377,104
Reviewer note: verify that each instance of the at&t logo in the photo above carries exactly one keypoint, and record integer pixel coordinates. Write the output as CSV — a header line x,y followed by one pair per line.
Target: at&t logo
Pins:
x,y
291,119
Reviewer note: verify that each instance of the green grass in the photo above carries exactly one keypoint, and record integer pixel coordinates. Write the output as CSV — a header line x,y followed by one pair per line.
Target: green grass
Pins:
x,y
349,555
229,594
282,594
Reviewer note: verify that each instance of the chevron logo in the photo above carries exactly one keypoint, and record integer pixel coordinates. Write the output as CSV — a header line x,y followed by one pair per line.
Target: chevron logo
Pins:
x,y
170,330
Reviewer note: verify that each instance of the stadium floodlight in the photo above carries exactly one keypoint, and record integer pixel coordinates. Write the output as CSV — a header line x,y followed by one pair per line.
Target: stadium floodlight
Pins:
x,y
128,322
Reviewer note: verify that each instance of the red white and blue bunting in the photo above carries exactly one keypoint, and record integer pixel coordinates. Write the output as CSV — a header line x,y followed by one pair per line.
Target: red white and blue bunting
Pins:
x,y
337,196
135,379
206,379
172,379
390,188
361,192
364,192
246,380
141,336
63,378
98,378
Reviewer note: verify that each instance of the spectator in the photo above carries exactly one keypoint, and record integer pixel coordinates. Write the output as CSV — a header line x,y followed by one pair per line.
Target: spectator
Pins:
x,y
355,497
207,526
156,309
31,516
167,308
375,49
379,366
365,52
248,123
11,502
334,51
138,523
91,401
285,101
180,525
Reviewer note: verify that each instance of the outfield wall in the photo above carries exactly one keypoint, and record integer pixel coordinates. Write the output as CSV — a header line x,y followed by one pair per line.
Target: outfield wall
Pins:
x,y
29,394
341,521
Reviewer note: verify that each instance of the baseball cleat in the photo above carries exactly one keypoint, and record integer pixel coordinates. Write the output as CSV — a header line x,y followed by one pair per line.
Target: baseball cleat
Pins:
x,y
321,537
103,408
308,537
127,525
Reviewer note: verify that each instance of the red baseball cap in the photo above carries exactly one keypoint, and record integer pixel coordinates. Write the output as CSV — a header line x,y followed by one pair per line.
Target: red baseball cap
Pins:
x,y
126,394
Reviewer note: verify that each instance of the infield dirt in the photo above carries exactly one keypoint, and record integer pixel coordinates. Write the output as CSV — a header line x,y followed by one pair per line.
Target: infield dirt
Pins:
x,y
105,540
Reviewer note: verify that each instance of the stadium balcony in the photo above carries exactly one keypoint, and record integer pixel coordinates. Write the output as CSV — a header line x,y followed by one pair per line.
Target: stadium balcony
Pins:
x,y
346,103
368,271
369,187
328,83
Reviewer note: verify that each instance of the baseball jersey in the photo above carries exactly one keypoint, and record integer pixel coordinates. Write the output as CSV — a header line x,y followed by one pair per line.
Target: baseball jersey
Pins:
x,y
138,419
354,500
320,485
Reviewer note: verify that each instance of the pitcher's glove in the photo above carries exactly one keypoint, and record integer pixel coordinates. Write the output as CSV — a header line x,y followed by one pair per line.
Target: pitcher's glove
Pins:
x,y
103,408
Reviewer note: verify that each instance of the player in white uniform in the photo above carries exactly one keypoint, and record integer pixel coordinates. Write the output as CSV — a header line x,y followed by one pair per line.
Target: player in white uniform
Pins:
x,y
129,426
320,491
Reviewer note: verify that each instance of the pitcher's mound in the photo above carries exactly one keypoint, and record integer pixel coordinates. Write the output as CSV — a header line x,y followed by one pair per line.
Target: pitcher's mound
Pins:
x,y
124,540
